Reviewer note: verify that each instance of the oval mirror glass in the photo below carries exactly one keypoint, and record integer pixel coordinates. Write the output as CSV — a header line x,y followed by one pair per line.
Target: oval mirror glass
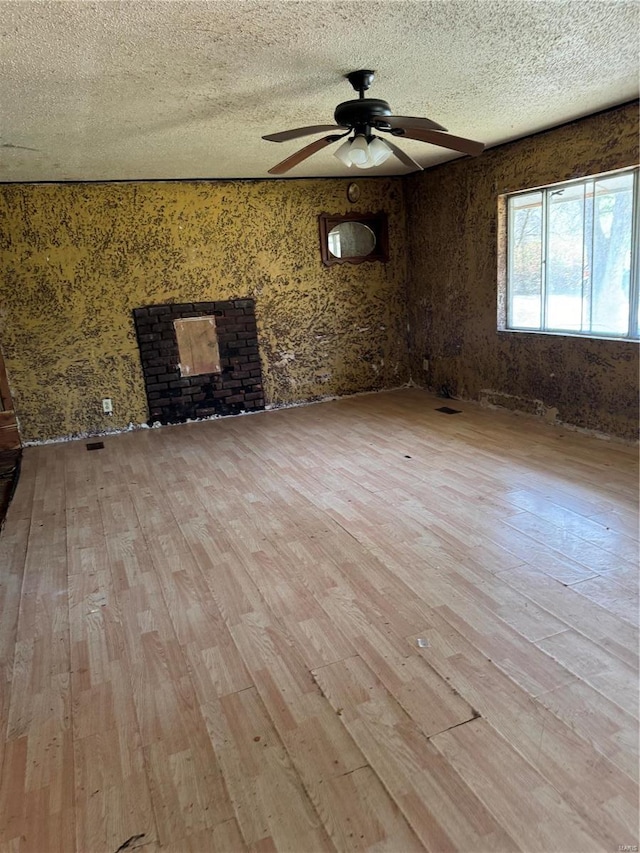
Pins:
x,y
351,240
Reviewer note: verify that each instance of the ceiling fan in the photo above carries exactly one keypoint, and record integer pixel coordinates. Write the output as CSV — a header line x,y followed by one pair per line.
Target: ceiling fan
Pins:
x,y
364,149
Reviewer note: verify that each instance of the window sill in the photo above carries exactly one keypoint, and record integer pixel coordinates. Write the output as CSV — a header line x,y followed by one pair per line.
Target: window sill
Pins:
x,y
568,335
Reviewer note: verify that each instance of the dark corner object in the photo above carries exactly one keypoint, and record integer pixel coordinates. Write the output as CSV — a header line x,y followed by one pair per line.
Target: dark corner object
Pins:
x,y
448,411
95,445
9,472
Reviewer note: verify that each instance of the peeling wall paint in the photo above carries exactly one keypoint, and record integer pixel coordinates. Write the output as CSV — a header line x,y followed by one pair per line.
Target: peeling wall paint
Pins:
x,y
77,258
452,285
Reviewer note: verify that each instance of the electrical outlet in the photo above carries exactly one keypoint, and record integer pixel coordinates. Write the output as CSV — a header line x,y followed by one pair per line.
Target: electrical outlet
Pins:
x,y
107,406
425,364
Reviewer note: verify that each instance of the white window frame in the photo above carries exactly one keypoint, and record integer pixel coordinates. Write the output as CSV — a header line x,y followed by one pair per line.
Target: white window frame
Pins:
x,y
504,260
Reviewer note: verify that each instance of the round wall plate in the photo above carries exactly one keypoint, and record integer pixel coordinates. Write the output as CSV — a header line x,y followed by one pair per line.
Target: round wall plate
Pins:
x,y
353,192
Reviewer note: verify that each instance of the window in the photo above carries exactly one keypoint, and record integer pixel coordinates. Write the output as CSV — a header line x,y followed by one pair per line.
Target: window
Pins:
x,y
573,257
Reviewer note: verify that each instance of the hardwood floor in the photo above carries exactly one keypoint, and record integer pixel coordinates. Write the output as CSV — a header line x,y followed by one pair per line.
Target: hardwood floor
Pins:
x,y
359,625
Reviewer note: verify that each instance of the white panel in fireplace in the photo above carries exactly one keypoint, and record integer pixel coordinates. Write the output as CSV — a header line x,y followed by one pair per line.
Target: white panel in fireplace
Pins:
x,y
197,345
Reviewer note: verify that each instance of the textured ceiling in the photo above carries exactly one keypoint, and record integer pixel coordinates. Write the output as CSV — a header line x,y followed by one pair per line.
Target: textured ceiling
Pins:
x,y
134,90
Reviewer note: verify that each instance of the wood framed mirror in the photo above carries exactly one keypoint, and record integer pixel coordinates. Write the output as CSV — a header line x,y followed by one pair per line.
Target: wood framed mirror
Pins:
x,y
353,238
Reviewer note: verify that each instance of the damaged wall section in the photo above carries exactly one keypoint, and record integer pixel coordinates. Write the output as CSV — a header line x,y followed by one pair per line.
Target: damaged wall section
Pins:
x,y
174,396
456,346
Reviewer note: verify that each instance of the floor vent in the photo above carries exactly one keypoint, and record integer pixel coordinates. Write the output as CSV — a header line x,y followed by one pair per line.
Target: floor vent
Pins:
x,y
447,411
96,445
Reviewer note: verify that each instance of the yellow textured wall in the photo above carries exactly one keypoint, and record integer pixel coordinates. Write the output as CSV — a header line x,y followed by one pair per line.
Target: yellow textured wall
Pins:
x,y
77,258
452,216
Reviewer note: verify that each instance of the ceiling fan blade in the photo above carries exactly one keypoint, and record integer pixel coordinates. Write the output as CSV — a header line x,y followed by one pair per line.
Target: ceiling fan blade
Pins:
x,y
446,140
302,154
402,155
408,122
297,132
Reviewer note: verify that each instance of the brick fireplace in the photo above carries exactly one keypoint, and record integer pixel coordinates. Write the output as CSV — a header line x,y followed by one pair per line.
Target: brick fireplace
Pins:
x,y
175,392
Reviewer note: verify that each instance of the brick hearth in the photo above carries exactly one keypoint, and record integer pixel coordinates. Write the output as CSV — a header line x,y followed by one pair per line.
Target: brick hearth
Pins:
x,y
172,397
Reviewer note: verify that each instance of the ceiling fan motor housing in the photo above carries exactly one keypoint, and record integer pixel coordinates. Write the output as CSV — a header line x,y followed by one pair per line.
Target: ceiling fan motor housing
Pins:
x,y
362,117
361,112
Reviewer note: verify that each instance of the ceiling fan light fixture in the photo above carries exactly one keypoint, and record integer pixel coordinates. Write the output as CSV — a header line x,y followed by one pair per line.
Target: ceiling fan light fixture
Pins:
x,y
378,151
361,117
342,153
359,151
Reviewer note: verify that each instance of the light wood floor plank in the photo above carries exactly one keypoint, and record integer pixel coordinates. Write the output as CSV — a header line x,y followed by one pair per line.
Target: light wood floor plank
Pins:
x,y
595,666
114,802
442,811
317,744
187,789
497,773
13,549
599,721
268,798
552,747
223,838
38,768
608,593
579,612
362,625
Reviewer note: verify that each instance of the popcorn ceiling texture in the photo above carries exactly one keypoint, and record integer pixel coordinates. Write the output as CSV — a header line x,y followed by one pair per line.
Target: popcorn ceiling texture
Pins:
x,y
77,259
452,236
142,89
